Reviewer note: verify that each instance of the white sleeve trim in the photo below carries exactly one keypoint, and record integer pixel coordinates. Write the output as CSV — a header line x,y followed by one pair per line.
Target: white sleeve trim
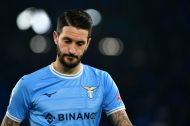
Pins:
x,y
115,110
13,118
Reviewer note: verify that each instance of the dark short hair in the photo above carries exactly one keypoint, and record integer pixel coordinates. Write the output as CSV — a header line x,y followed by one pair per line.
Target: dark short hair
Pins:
x,y
76,18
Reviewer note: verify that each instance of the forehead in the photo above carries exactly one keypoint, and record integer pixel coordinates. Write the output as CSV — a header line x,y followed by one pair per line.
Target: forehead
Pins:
x,y
75,33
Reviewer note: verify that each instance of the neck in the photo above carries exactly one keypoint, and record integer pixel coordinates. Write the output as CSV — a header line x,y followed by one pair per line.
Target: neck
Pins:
x,y
65,70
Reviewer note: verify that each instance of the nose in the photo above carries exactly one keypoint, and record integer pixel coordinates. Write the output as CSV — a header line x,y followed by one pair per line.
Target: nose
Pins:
x,y
72,49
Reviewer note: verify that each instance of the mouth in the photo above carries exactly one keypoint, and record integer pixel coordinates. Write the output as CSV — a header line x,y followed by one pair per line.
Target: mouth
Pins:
x,y
70,58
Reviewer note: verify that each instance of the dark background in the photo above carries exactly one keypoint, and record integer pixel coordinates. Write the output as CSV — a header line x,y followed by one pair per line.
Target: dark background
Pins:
x,y
152,73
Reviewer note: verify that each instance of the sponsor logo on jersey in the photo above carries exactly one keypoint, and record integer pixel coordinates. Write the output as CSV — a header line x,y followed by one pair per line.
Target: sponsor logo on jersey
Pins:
x,y
70,116
50,118
77,116
50,94
90,91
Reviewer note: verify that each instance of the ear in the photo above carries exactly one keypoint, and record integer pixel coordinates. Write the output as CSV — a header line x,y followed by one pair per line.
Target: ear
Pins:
x,y
55,37
88,43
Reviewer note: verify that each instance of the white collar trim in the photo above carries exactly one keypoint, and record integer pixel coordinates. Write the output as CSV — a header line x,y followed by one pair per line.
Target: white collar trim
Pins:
x,y
66,76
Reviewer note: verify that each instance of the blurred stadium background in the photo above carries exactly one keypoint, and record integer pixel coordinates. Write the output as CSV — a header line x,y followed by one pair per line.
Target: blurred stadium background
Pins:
x,y
143,44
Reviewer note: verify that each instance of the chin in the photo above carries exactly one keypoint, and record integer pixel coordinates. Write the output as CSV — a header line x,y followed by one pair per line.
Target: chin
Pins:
x,y
70,65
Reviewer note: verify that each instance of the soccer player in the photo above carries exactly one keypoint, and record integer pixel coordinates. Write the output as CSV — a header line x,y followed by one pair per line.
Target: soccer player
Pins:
x,y
67,92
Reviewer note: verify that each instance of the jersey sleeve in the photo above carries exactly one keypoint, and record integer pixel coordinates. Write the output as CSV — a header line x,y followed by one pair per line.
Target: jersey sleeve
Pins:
x,y
112,101
19,102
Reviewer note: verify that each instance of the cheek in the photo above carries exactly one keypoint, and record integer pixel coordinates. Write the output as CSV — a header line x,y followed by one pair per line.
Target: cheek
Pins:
x,y
82,51
61,48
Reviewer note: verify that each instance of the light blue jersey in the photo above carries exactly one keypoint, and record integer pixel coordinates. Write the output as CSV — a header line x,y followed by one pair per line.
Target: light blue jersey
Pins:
x,y
49,98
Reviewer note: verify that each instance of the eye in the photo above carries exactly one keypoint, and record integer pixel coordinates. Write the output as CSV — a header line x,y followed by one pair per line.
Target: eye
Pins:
x,y
80,43
67,40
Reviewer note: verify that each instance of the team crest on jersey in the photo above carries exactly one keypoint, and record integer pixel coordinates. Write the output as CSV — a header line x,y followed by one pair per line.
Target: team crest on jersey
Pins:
x,y
90,91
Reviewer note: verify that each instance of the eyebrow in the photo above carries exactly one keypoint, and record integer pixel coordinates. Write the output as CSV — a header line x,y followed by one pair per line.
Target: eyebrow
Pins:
x,y
68,38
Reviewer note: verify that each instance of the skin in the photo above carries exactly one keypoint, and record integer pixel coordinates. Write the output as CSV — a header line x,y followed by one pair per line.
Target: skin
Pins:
x,y
9,122
71,44
120,118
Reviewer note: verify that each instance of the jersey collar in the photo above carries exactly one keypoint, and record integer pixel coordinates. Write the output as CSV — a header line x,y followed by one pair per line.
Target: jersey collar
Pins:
x,y
66,76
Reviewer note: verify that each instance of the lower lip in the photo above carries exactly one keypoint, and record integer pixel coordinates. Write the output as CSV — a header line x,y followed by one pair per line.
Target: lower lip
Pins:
x,y
70,58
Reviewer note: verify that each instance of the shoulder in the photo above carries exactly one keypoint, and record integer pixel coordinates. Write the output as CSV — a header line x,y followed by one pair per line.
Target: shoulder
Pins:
x,y
32,78
101,75
96,71
40,73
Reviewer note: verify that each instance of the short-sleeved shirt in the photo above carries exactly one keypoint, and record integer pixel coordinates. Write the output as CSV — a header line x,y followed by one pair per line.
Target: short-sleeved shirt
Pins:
x,y
49,98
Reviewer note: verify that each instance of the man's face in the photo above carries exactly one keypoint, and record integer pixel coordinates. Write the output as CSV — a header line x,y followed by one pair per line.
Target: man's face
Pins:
x,y
71,45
